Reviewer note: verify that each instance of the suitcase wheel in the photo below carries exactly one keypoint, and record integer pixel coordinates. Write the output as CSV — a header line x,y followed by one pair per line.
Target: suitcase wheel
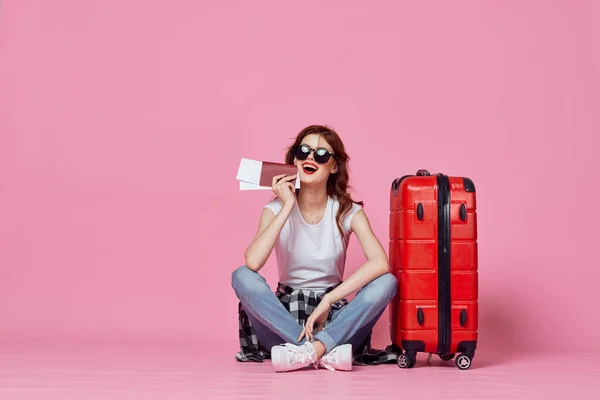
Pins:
x,y
447,357
463,361
406,360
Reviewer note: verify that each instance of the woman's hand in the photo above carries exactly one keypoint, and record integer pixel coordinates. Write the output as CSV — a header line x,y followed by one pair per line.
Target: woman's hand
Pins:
x,y
319,316
284,189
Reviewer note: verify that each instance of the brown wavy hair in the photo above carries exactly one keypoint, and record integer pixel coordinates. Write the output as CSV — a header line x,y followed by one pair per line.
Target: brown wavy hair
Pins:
x,y
337,183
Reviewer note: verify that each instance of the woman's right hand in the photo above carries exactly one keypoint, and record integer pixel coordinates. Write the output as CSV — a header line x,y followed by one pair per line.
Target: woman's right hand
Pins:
x,y
284,188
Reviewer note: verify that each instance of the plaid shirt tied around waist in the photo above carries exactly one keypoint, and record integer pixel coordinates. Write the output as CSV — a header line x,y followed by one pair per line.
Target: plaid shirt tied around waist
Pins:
x,y
301,303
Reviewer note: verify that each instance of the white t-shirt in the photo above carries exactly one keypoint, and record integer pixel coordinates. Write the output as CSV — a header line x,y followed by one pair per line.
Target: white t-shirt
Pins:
x,y
312,257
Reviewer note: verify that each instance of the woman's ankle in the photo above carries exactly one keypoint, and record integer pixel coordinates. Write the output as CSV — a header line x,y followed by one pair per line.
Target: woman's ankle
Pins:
x,y
319,348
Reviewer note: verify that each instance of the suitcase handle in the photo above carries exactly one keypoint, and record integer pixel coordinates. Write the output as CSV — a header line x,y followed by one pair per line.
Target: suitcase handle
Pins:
x,y
463,212
423,172
420,316
463,317
396,186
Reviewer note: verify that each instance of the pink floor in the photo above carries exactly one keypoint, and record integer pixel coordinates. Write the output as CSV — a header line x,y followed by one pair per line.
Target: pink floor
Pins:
x,y
182,372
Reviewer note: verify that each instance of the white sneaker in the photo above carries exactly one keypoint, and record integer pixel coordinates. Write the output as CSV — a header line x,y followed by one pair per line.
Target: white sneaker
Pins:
x,y
339,358
289,357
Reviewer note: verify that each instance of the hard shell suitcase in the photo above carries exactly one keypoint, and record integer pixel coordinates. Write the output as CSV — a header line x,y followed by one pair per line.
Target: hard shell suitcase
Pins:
x,y
433,254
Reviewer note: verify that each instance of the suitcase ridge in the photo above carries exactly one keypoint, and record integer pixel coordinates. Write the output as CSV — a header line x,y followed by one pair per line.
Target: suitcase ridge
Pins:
x,y
444,295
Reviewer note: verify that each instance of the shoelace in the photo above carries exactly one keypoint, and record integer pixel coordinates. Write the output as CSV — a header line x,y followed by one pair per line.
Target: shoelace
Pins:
x,y
325,365
301,353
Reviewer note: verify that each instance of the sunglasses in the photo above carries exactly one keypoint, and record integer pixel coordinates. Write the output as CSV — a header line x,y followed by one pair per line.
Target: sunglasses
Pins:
x,y
321,154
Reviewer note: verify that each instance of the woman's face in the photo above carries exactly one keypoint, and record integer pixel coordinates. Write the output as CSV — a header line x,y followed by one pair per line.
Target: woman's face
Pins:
x,y
312,172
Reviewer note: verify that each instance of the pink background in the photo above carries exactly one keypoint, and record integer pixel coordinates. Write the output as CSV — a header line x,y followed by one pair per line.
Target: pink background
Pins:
x,y
122,124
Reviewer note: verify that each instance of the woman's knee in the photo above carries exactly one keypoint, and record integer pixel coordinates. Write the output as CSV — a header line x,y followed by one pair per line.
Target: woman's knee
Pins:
x,y
243,278
384,286
240,275
379,291
389,284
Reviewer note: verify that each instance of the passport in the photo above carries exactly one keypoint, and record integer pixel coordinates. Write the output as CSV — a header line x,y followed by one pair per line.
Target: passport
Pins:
x,y
258,175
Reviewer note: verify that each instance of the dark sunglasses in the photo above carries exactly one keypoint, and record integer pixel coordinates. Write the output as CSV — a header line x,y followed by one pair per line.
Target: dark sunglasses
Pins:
x,y
321,154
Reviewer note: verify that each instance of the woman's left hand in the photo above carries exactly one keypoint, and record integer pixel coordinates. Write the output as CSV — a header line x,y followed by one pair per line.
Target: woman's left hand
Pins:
x,y
319,316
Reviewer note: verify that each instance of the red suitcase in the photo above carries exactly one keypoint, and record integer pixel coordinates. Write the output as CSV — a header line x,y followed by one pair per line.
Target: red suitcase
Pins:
x,y
433,253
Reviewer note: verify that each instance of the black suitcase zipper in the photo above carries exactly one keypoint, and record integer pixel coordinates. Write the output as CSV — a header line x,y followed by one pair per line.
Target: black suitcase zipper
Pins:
x,y
444,306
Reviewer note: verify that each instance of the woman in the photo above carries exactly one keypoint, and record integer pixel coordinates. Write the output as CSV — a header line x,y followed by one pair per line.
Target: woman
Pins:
x,y
310,229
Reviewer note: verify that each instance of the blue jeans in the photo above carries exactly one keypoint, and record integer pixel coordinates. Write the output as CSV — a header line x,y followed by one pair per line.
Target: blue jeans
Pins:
x,y
274,325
